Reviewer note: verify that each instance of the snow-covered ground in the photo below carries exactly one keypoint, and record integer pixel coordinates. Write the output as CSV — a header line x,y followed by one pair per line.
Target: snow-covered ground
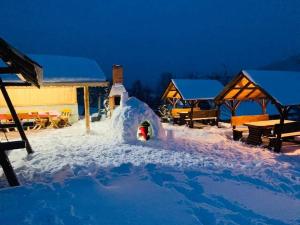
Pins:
x,y
193,176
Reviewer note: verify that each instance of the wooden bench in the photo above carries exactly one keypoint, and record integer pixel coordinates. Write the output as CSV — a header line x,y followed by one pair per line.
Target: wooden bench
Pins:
x,y
175,112
27,120
237,123
283,132
209,116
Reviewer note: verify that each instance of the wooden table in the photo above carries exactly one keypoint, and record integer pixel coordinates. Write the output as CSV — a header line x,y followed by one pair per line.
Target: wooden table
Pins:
x,y
261,128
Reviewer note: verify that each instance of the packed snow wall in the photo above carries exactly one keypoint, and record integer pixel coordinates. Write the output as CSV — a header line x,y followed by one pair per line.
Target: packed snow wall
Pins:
x,y
127,118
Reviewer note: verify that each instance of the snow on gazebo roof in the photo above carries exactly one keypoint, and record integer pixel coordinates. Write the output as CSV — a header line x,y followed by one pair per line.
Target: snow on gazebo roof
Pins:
x,y
281,85
194,89
69,69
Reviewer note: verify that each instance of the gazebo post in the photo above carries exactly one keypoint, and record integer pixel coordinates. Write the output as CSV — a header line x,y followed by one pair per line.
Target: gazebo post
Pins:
x,y
263,106
263,103
218,106
87,108
232,106
283,111
99,102
191,114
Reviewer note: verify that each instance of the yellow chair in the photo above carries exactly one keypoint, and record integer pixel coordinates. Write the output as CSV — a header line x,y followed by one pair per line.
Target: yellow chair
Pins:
x,y
61,121
39,122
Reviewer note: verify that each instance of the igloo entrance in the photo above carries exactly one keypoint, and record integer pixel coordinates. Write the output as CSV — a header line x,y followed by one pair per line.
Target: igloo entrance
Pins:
x,y
144,131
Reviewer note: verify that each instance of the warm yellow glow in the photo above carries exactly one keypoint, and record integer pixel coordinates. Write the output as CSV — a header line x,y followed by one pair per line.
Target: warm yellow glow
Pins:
x,y
231,93
32,96
255,94
242,83
171,94
244,94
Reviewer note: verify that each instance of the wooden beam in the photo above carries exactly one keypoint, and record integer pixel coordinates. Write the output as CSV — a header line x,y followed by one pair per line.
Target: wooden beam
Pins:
x,y
218,114
251,92
87,109
15,117
77,84
8,169
7,125
263,103
236,104
241,90
229,87
228,105
8,70
175,94
11,145
191,114
249,88
16,84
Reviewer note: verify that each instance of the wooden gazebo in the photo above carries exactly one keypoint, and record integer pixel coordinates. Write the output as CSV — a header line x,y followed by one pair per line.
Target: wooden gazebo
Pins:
x,y
264,87
186,96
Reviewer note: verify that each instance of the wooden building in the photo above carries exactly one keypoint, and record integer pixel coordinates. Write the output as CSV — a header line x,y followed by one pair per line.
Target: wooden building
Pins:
x,y
193,96
58,88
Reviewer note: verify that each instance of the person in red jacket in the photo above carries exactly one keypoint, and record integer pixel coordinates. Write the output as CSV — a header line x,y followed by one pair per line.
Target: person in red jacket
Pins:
x,y
143,131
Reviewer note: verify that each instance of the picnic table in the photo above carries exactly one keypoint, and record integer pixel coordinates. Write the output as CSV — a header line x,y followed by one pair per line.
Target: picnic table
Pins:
x,y
39,120
261,128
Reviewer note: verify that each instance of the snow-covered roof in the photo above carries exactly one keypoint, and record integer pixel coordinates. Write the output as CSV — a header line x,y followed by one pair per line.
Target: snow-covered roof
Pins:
x,y
67,69
191,89
281,85
117,89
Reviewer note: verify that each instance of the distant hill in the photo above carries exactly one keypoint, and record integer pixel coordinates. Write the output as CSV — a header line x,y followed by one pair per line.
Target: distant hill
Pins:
x,y
291,64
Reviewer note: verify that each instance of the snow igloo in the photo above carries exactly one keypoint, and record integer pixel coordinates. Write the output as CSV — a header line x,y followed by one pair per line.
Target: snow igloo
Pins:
x,y
128,117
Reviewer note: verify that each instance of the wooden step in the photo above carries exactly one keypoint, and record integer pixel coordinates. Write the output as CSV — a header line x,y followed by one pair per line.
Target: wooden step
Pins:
x,y
7,125
11,145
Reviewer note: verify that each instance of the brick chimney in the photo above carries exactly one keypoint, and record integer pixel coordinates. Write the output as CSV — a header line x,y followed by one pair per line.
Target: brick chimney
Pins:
x,y
117,74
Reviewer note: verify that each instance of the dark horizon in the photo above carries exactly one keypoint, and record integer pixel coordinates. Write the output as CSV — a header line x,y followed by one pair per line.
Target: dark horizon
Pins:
x,y
149,38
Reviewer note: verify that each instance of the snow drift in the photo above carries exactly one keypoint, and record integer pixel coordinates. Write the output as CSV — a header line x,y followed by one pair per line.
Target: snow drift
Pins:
x,y
127,118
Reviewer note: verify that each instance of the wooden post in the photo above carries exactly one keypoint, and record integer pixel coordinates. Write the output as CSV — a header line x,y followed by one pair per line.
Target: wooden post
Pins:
x,y
283,114
87,109
263,106
99,102
8,169
263,103
218,107
191,114
15,118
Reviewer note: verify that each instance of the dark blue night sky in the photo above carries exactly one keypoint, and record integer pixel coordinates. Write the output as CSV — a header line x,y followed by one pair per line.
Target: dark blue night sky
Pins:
x,y
151,37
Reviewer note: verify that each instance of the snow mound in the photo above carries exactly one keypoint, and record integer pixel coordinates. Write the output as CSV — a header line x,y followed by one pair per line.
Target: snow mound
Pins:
x,y
127,118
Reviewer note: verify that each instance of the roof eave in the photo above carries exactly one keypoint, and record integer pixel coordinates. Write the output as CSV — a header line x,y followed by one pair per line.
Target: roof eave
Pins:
x,y
77,83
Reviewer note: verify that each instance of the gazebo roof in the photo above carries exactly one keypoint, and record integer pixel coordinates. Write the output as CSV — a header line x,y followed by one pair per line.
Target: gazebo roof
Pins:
x,y
192,89
279,86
